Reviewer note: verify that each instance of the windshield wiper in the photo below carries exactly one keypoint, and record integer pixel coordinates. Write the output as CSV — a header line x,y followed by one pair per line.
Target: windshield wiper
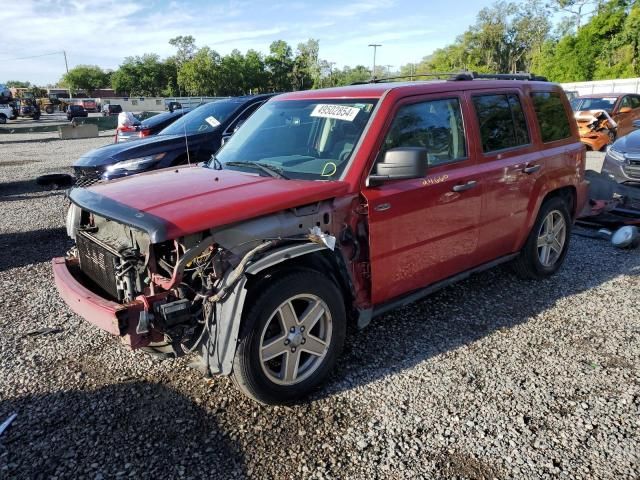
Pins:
x,y
269,169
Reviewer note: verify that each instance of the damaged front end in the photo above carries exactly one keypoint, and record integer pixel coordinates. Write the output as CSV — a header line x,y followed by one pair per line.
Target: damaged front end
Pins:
x,y
179,296
597,128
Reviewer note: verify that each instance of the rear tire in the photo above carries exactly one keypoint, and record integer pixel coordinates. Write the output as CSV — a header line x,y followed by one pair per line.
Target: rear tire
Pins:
x,y
291,339
548,242
48,109
3,118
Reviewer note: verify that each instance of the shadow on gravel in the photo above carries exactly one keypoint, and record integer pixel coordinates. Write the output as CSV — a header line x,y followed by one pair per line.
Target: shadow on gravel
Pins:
x,y
464,313
142,429
20,187
26,248
33,140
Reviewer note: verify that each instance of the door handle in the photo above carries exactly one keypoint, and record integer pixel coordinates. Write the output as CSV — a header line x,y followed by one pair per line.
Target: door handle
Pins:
x,y
531,168
382,207
465,186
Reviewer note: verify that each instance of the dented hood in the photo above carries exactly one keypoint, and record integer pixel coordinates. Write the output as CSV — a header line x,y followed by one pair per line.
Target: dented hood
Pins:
x,y
179,201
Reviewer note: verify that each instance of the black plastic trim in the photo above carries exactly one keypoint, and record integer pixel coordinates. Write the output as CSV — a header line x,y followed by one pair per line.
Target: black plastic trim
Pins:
x,y
423,292
111,209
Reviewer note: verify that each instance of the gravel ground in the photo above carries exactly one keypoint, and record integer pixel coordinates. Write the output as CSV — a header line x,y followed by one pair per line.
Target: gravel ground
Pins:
x,y
491,378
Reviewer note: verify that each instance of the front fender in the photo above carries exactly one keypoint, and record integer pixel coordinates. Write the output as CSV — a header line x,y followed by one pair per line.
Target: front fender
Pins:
x,y
218,348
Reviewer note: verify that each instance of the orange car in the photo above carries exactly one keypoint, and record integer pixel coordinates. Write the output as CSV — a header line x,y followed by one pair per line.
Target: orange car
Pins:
x,y
597,129
623,108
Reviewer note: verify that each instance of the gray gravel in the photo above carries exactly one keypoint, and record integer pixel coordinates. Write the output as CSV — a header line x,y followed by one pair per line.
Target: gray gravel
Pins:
x,y
491,378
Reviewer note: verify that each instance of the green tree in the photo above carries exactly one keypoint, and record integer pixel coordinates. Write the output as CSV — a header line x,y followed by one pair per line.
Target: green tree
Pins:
x,y
17,84
200,75
305,72
85,77
186,46
279,64
256,78
143,75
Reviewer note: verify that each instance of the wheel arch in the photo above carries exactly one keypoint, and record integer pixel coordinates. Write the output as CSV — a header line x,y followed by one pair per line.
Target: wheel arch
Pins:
x,y
318,259
275,264
567,192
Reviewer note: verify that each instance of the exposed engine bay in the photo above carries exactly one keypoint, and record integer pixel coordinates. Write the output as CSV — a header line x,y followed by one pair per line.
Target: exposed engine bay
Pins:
x,y
184,285
597,128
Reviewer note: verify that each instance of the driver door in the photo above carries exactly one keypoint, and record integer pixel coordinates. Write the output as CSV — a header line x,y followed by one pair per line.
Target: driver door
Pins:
x,y
426,229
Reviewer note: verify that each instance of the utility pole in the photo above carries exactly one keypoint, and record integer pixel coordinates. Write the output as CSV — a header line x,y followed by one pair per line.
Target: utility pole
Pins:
x,y
66,66
388,70
375,47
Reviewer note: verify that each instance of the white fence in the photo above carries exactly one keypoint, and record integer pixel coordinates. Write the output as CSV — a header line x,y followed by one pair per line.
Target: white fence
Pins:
x,y
154,104
625,85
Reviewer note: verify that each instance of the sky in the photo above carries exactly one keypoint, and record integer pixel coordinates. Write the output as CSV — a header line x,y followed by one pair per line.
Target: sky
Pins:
x,y
103,32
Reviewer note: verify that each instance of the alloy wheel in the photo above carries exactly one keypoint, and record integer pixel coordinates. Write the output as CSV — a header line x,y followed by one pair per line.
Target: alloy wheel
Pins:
x,y
551,238
295,340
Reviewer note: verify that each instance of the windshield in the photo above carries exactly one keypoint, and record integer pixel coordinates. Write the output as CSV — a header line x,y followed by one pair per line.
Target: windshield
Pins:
x,y
595,103
203,119
304,139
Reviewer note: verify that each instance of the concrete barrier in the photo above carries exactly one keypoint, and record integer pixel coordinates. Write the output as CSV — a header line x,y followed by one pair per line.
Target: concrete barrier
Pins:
x,y
81,131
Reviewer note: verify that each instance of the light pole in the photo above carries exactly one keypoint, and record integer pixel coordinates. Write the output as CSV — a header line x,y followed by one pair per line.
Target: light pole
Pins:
x,y
388,69
375,47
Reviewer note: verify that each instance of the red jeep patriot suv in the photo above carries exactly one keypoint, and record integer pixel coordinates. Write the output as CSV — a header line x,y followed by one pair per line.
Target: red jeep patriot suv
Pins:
x,y
326,207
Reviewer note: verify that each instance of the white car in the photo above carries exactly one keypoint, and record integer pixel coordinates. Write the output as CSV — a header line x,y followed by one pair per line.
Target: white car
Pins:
x,y
6,113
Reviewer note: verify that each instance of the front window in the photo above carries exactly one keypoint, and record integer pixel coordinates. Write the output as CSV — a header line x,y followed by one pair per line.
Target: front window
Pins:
x,y
302,139
594,103
203,119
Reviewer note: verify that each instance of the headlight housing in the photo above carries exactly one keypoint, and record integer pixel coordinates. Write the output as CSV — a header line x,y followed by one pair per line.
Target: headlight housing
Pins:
x,y
136,164
614,154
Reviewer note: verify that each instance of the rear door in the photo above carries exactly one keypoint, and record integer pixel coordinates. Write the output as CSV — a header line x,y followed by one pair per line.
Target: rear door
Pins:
x,y
426,229
509,164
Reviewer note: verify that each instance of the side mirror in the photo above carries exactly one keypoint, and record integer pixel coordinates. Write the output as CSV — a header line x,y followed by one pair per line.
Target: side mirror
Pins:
x,y
635,124
400,164
225,139
624,110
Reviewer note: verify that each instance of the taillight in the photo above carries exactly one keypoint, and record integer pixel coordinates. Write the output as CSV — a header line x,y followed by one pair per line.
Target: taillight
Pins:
x,y
145,132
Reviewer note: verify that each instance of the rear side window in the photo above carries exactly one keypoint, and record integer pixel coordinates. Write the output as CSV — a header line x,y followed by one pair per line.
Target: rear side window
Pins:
x,y
502,121
551,115
435,125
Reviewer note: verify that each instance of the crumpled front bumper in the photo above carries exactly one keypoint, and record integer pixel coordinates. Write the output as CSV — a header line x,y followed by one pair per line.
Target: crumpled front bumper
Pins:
x,y
112,317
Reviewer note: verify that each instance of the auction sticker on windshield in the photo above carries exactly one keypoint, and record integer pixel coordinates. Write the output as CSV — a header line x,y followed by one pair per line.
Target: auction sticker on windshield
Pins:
x,y
339,112
211,120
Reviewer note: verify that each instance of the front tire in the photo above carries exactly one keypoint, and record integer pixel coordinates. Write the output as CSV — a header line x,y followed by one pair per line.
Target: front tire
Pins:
x,y
3,118
292,337
548,242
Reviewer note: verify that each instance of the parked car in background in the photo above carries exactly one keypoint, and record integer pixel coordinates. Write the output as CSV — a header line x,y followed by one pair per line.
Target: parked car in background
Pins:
x,y
571,94
327,207
622,161
193,138
623,108
111,109
150,126
76,111
171,106
7,113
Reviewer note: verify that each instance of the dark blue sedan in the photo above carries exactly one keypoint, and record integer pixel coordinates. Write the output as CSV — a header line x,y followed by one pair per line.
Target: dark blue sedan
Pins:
x,y
190,139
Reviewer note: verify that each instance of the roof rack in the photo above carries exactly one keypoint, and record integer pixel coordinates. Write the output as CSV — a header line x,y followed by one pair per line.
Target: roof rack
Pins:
x,y
384,79
497,76
460,76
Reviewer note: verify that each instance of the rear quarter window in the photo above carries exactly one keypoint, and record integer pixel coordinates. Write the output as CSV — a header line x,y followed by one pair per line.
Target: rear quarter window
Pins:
x,y
502,121
551,115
